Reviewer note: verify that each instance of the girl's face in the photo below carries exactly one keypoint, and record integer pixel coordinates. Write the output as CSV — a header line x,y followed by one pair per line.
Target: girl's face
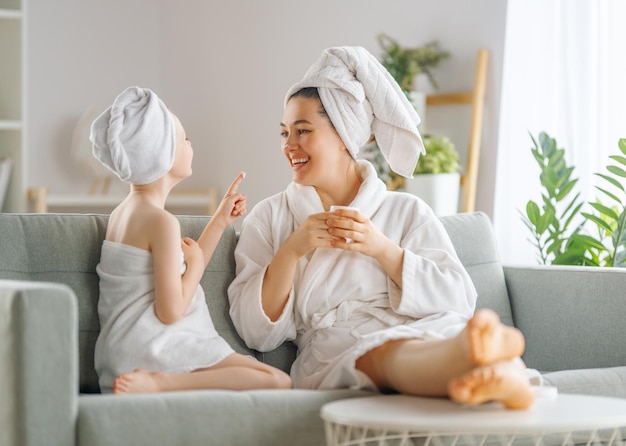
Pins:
x,y
311,144
184,152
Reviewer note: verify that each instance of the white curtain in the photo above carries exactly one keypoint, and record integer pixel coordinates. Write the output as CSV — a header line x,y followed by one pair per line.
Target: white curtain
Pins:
x,y
564,73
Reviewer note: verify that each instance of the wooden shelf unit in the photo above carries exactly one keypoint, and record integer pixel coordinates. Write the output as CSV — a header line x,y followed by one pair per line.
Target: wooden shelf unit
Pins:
x,y
475,98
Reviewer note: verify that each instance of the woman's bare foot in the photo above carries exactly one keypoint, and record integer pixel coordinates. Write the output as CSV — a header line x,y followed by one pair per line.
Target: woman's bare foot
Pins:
x,y
504,382
490,340
138,381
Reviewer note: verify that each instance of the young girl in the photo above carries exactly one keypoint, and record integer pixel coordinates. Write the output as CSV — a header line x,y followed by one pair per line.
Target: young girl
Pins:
x,y
156,331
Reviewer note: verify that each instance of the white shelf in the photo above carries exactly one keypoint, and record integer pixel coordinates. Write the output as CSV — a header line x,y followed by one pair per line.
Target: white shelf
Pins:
x,y
10,125
10,14
203,201
95,200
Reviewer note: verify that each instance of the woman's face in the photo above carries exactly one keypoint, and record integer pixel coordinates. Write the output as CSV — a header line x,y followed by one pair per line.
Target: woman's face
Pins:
x,y
310,142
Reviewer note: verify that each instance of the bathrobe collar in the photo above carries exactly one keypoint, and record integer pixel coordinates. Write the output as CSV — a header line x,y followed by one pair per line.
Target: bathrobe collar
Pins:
x,y
304,200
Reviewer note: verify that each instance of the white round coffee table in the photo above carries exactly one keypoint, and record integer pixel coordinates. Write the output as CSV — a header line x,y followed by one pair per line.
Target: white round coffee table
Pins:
x,y
404,420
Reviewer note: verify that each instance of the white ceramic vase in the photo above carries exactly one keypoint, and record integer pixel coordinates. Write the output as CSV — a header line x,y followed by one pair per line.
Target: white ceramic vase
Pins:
x,y
440,191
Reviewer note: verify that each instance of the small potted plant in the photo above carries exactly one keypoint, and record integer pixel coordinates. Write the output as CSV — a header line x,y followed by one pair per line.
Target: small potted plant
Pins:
x,y
405,63
437,177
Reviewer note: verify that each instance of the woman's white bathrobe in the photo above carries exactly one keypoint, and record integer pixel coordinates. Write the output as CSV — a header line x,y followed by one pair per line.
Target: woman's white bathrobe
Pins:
x,y
342,303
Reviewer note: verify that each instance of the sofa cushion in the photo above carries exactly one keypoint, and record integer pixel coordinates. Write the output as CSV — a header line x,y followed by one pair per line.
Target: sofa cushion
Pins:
x,y
475,243
609,381
570,315
258,417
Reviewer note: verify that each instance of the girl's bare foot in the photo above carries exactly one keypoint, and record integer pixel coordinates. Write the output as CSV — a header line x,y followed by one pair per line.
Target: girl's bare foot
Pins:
x,y
138,381
503,382
490,340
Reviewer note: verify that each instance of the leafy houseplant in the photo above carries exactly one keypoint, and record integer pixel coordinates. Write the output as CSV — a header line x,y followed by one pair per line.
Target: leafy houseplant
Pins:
x,y
441,156
550,223
436,177
405,63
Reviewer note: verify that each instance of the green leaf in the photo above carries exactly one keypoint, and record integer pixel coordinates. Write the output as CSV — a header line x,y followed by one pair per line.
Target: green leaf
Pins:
x,y
611,180
533,212
554,247
604,210
566,190
538,157
619,159
598,221
617,171
544,221
571,257
587,242
609,194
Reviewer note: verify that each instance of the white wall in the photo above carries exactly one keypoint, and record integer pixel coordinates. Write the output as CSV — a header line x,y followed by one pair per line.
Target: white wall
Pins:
x,y
224,67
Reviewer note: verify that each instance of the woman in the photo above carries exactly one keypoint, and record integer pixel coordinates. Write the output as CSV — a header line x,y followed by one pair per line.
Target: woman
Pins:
x,y
373,295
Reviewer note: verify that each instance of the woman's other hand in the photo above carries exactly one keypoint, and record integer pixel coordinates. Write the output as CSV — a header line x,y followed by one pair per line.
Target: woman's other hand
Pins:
x,y
355,232
311,234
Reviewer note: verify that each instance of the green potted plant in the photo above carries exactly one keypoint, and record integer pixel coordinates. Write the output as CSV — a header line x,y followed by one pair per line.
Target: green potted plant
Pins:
x,y
405,63
437,177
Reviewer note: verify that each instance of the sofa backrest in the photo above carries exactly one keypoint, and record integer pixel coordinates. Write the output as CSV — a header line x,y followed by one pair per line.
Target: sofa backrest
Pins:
x,y
475,242
66,248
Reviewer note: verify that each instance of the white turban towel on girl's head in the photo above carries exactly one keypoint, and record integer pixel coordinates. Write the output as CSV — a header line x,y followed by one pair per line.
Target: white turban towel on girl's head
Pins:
x,y
361,98
135,138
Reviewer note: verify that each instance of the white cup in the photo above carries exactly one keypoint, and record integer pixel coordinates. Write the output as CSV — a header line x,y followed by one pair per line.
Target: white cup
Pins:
x,y
351,208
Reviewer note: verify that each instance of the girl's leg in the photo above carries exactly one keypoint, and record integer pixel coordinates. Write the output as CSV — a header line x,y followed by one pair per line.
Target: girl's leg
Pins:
x,y
235,372
427,368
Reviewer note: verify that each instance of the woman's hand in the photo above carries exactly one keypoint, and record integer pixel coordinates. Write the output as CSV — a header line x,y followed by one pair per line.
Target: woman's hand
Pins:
x,y
233,204
353,231
313,233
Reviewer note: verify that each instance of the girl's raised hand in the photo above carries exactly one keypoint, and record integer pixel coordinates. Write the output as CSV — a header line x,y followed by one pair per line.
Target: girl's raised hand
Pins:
x,y
233,204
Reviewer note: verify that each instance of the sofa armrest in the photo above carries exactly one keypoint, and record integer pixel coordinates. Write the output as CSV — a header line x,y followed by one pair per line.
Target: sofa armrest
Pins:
x,y
38,363
572,316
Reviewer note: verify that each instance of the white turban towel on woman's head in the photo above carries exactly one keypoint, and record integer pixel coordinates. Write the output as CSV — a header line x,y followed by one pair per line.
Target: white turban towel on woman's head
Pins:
x,y
135,138
361,98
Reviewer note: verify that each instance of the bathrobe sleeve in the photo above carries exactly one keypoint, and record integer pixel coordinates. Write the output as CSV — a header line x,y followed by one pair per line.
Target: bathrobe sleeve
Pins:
x,y
253,254
433,278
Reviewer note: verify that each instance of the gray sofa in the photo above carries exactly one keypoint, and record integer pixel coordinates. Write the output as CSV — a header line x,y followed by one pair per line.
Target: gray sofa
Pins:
x,y
572,317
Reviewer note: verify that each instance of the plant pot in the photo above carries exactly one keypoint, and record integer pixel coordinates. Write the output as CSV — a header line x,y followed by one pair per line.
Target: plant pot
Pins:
x,y
439,190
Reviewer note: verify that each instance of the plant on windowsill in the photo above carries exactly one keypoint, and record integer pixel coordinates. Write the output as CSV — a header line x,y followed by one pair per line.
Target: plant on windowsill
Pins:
x,y
598,237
